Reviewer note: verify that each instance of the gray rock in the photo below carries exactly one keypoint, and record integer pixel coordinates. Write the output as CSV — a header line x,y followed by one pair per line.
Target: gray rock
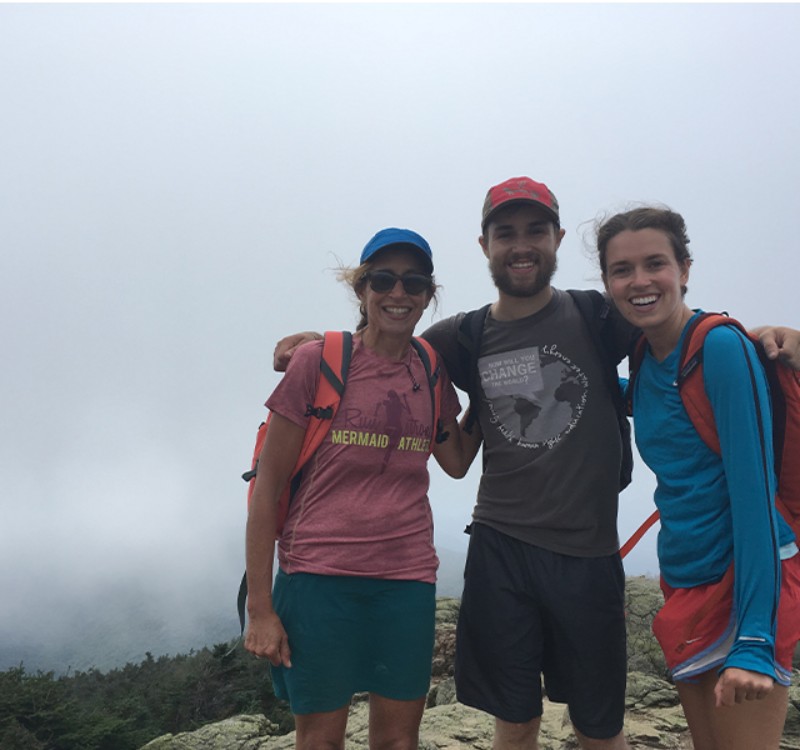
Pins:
x,y
236,733
647,691
654,718
442,694
451,726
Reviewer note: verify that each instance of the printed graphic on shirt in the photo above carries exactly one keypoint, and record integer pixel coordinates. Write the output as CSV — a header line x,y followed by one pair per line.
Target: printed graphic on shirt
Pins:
x,y
389,427
536,395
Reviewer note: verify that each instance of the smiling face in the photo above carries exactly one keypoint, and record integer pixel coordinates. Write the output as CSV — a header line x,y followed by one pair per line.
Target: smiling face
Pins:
x,y
645,280
395,312
521,243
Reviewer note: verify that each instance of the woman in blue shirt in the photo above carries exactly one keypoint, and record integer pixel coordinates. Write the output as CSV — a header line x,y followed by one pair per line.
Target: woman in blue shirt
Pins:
x,y
729,648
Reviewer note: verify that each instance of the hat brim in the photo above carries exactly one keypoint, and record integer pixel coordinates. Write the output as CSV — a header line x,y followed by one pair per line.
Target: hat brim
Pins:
x,y
519,201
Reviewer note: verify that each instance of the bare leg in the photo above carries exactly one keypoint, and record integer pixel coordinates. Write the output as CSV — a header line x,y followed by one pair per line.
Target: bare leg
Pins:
x,y
750,725
321,731
617,742
512,736
394,725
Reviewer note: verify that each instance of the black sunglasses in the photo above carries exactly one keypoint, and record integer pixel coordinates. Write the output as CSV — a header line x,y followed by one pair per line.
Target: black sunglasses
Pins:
x,y
384,281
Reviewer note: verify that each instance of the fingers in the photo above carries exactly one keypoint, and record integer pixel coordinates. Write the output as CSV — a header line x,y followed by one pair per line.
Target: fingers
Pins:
x,y
279,655
272,645
724,695
771,348
781,342
285,654
771,339
739,685
281,356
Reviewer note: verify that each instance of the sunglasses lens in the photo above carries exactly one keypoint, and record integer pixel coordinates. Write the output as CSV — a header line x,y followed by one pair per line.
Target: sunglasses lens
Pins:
x,y
413,283
382,281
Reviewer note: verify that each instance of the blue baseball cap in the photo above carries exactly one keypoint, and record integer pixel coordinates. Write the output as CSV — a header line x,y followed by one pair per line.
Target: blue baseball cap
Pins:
x,y
405,237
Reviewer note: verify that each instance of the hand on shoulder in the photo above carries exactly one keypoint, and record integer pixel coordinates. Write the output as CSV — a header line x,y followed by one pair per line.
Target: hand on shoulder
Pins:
x,y
288,345
780,342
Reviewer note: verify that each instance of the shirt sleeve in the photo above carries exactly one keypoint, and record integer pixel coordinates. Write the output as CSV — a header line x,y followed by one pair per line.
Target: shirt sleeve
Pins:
x,y
295,392
443,336
737,389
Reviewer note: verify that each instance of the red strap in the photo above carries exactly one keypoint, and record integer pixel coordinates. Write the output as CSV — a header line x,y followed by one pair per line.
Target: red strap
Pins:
x,y
638,534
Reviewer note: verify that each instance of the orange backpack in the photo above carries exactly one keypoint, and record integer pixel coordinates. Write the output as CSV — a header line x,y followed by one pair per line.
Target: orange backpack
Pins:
x,y
784,388
335,362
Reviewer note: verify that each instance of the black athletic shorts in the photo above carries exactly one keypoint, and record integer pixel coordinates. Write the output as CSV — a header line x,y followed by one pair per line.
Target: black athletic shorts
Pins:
x,y
528,612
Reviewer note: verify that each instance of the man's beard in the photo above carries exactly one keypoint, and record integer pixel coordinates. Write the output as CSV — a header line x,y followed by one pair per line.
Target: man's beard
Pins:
x,y
546,267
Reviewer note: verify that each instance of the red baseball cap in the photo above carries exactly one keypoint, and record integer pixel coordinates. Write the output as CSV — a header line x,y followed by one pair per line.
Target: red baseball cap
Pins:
x,y
519,190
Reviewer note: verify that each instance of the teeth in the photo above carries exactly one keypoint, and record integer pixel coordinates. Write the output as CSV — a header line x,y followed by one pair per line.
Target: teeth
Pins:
x,y
523,264
644,300
397,310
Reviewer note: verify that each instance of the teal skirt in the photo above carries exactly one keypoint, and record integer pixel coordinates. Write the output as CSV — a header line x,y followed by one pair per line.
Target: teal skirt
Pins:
x,y
349,635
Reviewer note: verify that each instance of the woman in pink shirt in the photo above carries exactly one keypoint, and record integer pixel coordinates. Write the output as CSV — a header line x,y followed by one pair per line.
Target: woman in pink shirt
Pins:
x,y
353,604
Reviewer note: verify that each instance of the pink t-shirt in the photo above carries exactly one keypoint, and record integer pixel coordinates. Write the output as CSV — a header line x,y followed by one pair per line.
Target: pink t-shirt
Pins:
x,y
362,508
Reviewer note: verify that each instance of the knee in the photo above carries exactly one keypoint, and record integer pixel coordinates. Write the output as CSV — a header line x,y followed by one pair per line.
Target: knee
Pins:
x,y
318,739
513,735
318,743
617,742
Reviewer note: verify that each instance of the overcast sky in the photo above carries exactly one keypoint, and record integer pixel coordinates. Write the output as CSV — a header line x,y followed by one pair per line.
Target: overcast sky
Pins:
x,y
177,181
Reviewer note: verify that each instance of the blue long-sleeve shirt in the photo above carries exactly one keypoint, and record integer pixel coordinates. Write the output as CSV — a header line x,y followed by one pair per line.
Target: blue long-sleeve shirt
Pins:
x,y
717,509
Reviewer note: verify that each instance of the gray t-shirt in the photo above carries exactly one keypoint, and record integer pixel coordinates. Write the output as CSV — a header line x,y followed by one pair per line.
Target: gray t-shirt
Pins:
x,y
552,447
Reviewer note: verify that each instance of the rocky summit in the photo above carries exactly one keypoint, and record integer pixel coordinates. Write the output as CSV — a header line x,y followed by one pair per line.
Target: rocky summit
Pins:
x,y
653,720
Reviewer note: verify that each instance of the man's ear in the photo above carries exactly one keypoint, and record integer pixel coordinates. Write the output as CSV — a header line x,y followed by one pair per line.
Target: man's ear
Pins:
x,y
484,244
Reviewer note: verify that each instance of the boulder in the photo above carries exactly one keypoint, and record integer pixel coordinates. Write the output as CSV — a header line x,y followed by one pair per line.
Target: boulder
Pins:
x,y
654,718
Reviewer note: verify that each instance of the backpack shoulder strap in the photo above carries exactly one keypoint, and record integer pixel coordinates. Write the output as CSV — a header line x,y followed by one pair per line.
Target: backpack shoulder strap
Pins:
x,y
433,371
470,334
634,363
333,366
690,379
595,310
